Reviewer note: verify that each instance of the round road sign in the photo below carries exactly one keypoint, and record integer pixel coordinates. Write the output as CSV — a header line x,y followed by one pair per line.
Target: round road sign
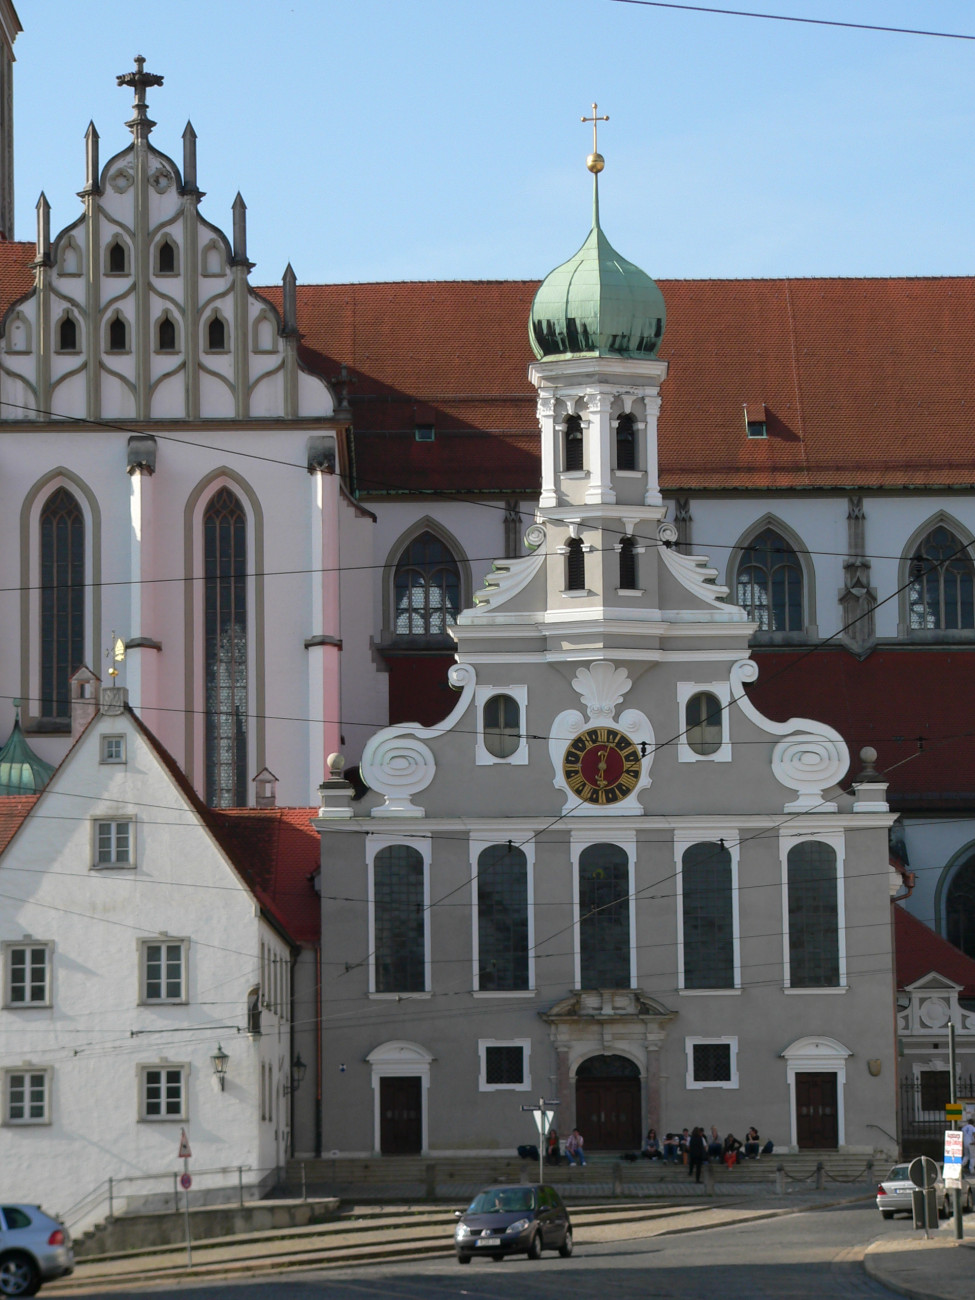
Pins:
x,y
186,1181
923,1172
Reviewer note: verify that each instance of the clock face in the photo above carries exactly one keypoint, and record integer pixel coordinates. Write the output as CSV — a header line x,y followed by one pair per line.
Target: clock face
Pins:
x,y
602,766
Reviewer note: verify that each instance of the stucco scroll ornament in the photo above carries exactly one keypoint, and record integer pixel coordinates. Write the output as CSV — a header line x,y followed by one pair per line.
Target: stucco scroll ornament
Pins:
x,y
398,765
508,577
601,687
810,758
122,178
160,179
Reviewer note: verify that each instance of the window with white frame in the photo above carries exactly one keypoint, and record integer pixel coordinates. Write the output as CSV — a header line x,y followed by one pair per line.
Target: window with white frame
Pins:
x,y
707,903
813,912
504,1064
501,734
703,722
27,1096
164,970
115,843
712,1062
503,944
27,974
163,1092
399,920
113,749
604,939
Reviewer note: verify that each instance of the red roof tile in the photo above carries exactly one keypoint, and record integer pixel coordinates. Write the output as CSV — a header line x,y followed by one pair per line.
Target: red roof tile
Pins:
x,y
919,951
866,382
16,271
13,811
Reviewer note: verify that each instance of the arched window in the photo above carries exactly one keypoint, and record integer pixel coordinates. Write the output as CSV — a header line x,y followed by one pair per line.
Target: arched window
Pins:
x,y
166,256
941,594
814,943
118,335
426,588
502,726
574,459
62,600
399,920
216,334
628,564
502,918
625,443
706,899
703,723
575,565
117,257
960,908
769,583
167,334
67,334
604,917
225,653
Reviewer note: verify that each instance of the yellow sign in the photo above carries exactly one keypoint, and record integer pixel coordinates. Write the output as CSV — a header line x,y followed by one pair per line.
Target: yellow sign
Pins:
x,y
953,1110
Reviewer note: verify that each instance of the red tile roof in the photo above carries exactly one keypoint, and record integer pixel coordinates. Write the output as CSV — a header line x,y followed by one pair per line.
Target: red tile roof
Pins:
x,y
908,703
16,271
866,382
919,951
13,812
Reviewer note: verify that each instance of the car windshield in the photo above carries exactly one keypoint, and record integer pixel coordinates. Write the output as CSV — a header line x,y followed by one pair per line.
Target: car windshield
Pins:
x,y
899,1174
503,1200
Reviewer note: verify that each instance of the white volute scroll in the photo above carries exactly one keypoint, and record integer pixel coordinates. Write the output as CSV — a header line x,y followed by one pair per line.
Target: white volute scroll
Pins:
x,y
398,765
809,759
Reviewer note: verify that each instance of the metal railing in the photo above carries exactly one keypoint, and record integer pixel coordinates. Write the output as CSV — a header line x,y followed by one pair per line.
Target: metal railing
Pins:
x,y
116,1193
923,1101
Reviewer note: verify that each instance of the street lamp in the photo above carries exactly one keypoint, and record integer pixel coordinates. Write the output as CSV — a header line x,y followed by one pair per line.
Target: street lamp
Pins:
x,y
298,1068
220,1060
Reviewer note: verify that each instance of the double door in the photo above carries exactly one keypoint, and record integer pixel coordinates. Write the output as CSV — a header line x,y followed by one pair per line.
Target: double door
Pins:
x,y
608,1114
400,1116
817,1122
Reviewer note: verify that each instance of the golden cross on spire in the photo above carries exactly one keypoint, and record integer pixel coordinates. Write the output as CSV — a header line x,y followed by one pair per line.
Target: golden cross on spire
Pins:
x,y
595,162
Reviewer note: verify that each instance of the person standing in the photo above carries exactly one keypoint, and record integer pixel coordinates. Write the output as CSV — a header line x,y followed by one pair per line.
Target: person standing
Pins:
x,y
697,1149
574,1152
968,1139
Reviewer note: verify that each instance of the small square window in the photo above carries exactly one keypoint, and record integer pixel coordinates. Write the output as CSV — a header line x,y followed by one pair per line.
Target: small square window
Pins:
x,y
114,844
27,975
425,433
113,749
164,970
712,1062
163,1092
27,1096
504,1065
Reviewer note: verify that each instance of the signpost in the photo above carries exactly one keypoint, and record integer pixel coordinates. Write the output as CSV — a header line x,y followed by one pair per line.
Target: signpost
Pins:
x,y
953,1114
186,1182
544,1113
923,1173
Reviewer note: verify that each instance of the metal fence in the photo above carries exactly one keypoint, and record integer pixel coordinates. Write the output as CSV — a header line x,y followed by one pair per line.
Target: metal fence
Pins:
x,y
923,1100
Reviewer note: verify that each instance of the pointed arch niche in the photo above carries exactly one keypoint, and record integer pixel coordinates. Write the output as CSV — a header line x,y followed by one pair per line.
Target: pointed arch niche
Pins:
x,y
59,498
215,495
770,574
936,578
69,256
439,567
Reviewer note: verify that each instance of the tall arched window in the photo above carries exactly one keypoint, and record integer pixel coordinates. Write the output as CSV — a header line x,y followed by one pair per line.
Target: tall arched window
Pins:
x,y
575,565
399,920
574,458
814,941
426,588
604,917
706,899
62,600
625,443
67,333
769,583
960,908
502,726
502,918
942,583
628,564
225,653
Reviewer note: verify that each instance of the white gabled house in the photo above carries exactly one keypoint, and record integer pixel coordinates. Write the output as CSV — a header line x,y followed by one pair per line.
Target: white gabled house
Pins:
x,y
140,939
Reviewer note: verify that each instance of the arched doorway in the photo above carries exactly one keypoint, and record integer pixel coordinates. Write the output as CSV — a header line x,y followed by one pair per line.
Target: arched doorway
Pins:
x,y
608,1112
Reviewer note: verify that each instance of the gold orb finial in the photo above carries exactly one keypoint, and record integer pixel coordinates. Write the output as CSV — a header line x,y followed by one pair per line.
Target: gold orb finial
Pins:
x,y
595,162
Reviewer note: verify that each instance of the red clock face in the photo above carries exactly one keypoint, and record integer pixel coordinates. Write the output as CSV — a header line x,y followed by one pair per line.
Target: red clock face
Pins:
x,y
601,766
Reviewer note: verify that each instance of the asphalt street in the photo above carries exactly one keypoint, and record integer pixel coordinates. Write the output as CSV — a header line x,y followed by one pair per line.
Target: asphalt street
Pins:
x,y
811,1253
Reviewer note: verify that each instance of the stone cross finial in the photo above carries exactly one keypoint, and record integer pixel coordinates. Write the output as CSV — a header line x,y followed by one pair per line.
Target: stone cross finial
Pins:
x,y
141,124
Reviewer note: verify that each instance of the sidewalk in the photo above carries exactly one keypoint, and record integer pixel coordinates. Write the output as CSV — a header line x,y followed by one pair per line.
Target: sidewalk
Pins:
x,y
939,1269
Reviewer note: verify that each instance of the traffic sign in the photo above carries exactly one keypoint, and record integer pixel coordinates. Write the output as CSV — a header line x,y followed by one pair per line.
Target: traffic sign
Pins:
x,y
186,1181
543,1120
954,1154
953,1111
923,1172
184,1146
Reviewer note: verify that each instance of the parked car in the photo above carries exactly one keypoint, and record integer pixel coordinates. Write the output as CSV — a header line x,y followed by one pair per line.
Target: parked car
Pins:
x,y
894,1193
34,1248
521,1219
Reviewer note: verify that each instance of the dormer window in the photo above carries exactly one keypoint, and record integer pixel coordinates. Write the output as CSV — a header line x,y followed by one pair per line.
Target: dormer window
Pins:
x,y
625,443
756,424
117,257
167,262
573,444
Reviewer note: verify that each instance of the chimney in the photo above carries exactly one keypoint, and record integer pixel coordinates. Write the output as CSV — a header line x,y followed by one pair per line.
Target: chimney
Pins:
x,y
266,795
84,699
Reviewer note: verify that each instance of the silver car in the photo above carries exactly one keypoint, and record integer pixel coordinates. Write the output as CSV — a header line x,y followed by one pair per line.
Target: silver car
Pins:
x,y
34,1248
894,1193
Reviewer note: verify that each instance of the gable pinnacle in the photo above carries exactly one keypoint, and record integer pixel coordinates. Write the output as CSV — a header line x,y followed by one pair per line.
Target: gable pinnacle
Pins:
x,y
141,124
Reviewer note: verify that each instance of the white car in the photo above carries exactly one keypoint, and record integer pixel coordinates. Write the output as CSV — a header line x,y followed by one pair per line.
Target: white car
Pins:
x,y
894,1193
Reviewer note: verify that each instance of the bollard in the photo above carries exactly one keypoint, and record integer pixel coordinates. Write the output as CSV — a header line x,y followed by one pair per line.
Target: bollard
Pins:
x,y
175,1193
431,1177
820,1176
617,1179
111,1200
780,1180
240,1185
708,1178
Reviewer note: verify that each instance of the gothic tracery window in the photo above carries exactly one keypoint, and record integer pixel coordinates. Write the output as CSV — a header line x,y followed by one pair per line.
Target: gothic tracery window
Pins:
x,y
62,600
225,653
941,594
426,588
769,583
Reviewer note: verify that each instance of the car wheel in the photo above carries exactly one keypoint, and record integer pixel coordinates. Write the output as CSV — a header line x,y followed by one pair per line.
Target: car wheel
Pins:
x,y
18,1275
565,1250
463,1259
535,1247
888,1214
945,1208
969,1203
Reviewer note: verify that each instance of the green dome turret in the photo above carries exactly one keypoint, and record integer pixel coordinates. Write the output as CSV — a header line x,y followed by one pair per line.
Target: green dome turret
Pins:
x,y
597,303
21,770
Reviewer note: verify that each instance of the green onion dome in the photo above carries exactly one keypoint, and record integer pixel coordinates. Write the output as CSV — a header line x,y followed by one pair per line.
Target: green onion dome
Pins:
x,y
597,304
21,770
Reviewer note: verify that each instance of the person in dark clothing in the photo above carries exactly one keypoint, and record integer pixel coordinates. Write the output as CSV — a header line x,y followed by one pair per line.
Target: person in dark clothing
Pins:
x,y
752,1143
697,1149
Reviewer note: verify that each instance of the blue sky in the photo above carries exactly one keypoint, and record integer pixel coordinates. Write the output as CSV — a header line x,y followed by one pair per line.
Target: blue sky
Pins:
x,y
440,139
